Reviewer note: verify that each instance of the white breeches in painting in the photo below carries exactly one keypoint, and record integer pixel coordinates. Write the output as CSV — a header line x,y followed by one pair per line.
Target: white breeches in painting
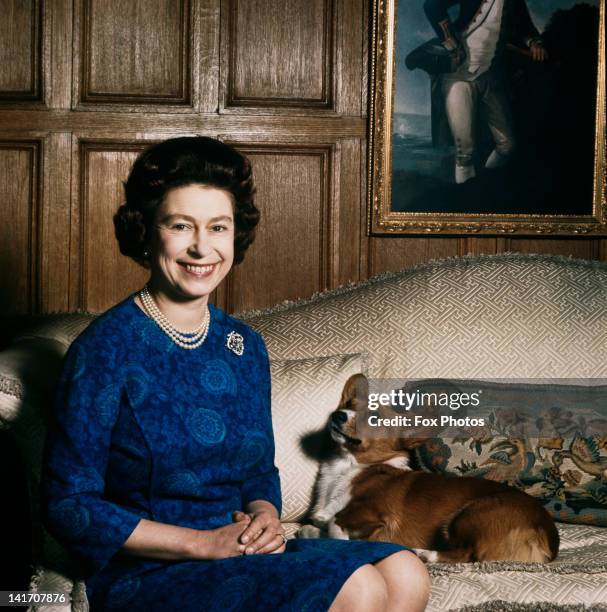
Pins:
x,y
463,99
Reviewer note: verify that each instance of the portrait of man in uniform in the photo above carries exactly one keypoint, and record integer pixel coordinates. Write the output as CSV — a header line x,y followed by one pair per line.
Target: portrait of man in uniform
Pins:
x,y
495,106
476,39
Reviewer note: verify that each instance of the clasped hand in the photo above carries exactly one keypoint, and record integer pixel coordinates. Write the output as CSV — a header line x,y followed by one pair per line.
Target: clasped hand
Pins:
x,y
254,532
263,532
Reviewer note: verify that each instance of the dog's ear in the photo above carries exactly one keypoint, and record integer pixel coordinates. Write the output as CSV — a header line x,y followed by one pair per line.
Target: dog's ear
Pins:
x,y
356,390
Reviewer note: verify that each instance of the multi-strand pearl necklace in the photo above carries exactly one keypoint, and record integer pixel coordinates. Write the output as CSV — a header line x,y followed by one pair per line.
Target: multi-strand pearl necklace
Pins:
x,y
186,340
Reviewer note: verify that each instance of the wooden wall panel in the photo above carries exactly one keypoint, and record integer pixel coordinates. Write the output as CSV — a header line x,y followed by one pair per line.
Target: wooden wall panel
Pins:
x,y
21,51
208,58
284,79
392,253
55,218
20,177
584,248
278,54
104,275
59,76
135,52
289,258
349,236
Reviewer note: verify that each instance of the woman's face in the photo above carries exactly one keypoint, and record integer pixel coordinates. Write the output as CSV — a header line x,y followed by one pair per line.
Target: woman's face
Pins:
x,y
193,247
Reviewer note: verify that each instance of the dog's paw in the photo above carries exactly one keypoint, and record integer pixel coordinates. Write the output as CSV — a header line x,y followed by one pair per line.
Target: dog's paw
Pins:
x,y
321,519
309,531
336,532
427,556
400,462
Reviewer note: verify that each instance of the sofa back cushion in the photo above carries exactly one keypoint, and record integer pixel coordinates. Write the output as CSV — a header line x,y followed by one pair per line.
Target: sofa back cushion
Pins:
x,y
505,316
28,374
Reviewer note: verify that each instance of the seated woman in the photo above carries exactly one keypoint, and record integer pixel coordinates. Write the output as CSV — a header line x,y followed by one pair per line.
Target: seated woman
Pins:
x,y
159,469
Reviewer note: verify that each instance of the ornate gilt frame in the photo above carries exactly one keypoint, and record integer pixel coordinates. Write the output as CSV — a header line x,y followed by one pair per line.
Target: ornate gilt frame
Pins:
x,y
383,221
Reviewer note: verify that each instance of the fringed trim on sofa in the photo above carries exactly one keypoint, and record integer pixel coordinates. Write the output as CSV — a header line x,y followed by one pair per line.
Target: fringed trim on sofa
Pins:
x,y
35,579
451,262
490,567
11,387
508,606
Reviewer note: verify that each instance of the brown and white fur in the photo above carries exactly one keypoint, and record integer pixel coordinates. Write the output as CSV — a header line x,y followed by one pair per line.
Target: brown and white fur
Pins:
x,y
367,491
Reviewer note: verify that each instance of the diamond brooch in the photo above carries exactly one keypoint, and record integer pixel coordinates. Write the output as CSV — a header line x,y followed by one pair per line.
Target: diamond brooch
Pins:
x,y
235,342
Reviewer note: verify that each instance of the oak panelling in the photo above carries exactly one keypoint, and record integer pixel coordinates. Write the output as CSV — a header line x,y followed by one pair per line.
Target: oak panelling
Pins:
x,y
210,29
584,248
20,180
279,127
365,241
55,247
350,57
394,253
350,234
290,257
101,276
59,17
21,51
287,79
484,246
391,253
136,52
278,54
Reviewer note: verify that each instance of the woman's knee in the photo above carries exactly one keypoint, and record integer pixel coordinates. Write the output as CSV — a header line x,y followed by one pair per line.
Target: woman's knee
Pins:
x,y
408,562
365,590
406,578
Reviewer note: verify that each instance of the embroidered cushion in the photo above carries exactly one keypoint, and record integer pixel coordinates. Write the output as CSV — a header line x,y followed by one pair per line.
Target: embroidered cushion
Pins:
x,y
550,440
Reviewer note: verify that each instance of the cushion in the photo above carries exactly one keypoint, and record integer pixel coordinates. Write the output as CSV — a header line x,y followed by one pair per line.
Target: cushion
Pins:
x,y
46,580
62,327
547,439
28,373
502,316
304,393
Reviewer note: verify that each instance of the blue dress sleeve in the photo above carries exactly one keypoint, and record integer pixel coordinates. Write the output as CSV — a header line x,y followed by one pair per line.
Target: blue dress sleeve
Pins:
x,y
265,483
76,455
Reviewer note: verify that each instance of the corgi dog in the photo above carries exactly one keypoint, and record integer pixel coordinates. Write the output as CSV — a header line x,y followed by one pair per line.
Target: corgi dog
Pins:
x,y
366,490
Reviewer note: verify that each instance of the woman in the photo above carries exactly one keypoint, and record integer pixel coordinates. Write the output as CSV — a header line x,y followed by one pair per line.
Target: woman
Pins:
x,y
159,472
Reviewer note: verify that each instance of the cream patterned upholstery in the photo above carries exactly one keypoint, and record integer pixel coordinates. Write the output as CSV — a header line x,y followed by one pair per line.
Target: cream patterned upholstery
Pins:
x,y
507,316
577,578
304,393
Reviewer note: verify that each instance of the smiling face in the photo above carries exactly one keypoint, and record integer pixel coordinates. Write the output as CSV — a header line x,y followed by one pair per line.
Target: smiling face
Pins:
x,y
193,245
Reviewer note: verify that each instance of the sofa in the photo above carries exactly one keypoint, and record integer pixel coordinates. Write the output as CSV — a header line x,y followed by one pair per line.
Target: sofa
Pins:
x,y
505,318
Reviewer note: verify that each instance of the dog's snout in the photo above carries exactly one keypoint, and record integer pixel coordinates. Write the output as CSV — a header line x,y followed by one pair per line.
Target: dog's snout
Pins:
x,y
339,417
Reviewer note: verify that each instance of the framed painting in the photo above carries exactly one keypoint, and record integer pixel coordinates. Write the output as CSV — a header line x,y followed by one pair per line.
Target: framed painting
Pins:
x,y
487,117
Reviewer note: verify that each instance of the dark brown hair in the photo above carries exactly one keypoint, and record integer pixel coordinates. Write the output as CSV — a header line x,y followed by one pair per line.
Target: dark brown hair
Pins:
x,y
179,162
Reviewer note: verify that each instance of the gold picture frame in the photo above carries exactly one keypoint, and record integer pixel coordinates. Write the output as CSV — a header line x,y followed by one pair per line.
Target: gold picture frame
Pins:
x,y
384,218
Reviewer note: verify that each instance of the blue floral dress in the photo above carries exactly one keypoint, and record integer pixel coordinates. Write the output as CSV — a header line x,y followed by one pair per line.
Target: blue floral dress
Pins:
x,y
145,429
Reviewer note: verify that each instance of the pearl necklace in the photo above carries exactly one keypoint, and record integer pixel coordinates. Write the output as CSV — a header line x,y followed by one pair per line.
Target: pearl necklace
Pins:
x,y
186,340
